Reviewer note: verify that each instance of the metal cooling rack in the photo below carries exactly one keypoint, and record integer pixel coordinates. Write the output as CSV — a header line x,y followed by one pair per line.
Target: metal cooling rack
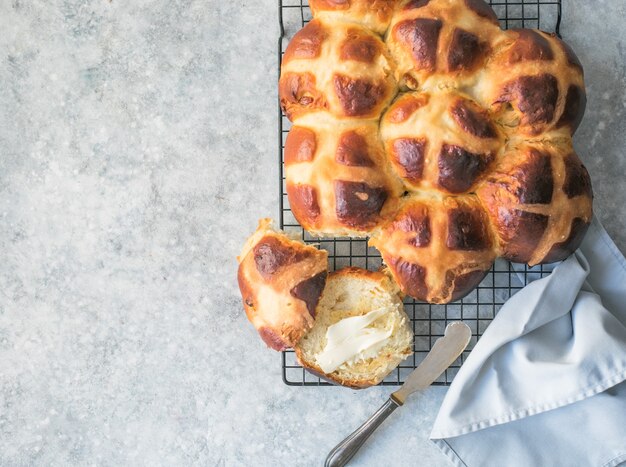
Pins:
x,y
428,321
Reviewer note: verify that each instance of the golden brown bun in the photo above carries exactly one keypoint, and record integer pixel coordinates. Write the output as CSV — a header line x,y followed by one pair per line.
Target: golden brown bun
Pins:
x,y
441,42
448,112
539,200
354,292
437,248
343,69
371,14
338,179
281,281
442,141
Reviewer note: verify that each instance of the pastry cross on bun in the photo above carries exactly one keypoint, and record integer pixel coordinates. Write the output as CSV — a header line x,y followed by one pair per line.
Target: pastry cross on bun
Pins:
x,y
437,249
343,69
281,281
338,175
371,14
425,114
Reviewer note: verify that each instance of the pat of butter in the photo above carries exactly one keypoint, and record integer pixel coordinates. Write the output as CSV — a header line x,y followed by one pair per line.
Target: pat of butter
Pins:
x,y
351,339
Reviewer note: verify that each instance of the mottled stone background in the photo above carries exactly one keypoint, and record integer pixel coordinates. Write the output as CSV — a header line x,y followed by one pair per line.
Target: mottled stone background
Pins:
x,y
137,151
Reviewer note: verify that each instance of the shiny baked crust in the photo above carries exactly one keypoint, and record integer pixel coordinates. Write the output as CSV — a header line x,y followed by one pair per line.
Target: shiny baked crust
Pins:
x,y
281,281
451,113
341,68
438,248
371,14
440,140
539,201
337,175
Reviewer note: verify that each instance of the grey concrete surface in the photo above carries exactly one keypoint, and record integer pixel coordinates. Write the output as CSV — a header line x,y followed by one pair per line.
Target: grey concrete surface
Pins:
x,y
137,151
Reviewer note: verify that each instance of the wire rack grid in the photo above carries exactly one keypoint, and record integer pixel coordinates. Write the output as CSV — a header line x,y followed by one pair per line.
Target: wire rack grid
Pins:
x,y
477,309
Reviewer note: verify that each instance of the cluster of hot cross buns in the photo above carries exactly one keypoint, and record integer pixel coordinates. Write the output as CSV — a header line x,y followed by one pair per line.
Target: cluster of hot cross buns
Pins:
x,y
445,139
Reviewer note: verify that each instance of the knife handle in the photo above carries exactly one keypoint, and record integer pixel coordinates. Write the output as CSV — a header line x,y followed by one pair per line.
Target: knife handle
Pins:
x,y
345,450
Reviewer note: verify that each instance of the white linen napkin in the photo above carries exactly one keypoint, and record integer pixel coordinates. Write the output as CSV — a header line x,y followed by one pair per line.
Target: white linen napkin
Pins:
x,y
545,384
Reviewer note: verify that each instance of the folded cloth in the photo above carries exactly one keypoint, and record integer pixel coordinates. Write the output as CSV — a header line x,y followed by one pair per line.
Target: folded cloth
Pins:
x,y
546,383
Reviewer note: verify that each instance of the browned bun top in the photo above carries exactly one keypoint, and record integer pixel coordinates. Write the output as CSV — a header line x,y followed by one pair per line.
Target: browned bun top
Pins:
x,y
423,124
351,78
371,14
530,200
281,281
437,249
443,141
337,176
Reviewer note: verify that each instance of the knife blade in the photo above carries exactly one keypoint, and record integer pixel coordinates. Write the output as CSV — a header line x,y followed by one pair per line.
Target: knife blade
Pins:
x,y
443,353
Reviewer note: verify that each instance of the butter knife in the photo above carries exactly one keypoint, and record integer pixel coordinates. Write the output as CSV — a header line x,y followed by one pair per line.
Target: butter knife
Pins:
x,y
443,353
